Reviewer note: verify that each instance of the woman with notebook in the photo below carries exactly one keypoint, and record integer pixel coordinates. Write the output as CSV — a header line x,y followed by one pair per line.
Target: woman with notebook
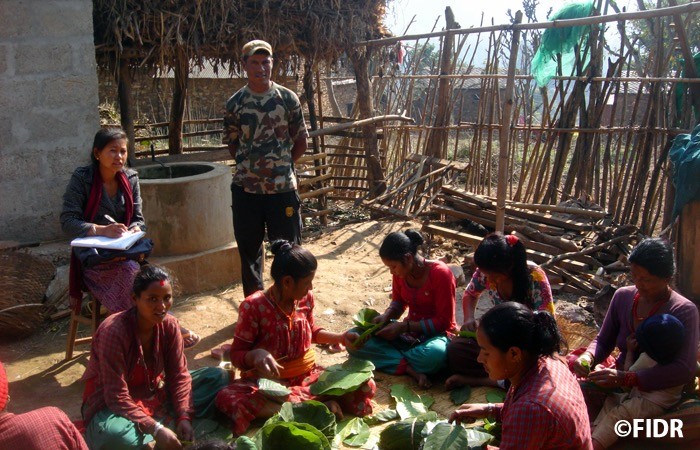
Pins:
x,y
104,199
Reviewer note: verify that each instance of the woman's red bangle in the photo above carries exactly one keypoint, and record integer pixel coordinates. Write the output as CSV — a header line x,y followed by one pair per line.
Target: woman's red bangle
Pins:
x,y
181,418
630,379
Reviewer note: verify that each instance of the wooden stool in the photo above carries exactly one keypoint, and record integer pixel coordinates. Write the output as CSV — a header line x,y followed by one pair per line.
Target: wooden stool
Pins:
x,y
76,319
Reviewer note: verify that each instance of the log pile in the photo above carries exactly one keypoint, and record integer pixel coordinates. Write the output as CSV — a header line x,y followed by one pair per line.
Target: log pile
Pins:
x,y
577,245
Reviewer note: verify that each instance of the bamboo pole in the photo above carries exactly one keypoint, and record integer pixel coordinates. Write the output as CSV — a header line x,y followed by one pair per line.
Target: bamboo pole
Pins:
x,y
658,12
505,128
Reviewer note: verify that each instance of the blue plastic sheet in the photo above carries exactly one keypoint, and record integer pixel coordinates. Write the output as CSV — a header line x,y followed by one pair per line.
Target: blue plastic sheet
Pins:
x,y
685,155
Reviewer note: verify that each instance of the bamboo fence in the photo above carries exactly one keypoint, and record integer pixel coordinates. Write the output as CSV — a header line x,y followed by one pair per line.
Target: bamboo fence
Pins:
x,y
598,137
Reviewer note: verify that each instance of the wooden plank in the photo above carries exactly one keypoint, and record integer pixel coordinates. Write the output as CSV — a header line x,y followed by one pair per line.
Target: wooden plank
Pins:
x,y
316,192
308,181
548,219
311,168
534,255
510,220
306,157
416,158
389,210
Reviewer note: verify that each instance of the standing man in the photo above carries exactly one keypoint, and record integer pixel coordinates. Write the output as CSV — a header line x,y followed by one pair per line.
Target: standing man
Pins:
x,y
265,132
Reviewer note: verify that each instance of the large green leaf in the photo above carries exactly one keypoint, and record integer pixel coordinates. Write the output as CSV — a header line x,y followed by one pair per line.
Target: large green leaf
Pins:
x,y
311,412
343,378
495,396
386,415
477,439
272,388
427,400
406,434
364,317
245,443
460,395
408,403
353,432
445,436
291,436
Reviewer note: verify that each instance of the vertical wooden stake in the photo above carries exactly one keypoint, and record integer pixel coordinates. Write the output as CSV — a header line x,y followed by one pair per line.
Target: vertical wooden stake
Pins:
x,y
506,123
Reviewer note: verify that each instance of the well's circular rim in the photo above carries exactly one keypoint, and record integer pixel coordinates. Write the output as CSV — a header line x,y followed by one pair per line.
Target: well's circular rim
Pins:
x,y
217,171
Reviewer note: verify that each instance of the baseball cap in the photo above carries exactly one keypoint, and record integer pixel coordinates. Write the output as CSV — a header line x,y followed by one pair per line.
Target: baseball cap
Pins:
x,y
253,46
4,392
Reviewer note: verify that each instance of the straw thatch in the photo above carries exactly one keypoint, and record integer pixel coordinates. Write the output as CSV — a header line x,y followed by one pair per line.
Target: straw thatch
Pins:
x,y
155,33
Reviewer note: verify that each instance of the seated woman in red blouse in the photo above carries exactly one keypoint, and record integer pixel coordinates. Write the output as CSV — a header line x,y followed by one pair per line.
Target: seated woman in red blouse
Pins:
x,y
273,338
544,407
137,383
416,346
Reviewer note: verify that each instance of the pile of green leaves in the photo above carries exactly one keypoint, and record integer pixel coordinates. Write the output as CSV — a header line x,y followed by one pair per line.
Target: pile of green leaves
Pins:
x,y
340,379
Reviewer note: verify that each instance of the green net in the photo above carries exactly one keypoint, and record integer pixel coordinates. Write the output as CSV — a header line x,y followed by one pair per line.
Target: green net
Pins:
x,y
561,41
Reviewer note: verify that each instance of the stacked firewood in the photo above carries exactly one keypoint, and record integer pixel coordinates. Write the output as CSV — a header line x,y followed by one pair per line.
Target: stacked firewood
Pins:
x,y
576,243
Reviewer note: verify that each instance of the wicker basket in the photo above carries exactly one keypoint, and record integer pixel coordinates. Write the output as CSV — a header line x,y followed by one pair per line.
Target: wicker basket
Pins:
x,y
23,282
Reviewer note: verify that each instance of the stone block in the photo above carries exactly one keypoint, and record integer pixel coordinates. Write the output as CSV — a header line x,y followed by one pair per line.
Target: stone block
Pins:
x,y
46,126
43,58
84,59
63,19
61,91
15,17
21,166
18,95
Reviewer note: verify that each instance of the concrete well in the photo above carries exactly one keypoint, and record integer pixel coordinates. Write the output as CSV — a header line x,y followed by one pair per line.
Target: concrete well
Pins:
x,y
187,207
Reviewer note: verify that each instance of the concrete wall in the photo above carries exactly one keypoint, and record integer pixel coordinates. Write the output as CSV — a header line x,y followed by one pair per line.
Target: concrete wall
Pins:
x,y
48,110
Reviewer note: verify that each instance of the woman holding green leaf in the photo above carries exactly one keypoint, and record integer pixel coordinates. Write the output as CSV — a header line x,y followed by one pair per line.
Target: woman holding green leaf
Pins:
x,y
273,338
544,406
417,345
503,274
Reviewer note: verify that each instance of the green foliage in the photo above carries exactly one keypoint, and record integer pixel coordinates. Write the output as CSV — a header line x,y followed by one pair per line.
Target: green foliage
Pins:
x,y
467,334
364,317
408,403
291,436
495,396
386,415
310,412
272,388
245,443
353,432
445,436
406,434
339,379
460,395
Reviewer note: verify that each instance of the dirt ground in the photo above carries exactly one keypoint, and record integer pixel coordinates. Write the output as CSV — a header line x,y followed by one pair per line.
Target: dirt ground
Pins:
x,y
350,277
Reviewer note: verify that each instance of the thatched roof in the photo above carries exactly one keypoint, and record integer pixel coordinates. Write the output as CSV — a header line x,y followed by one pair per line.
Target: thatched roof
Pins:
x,y
152,32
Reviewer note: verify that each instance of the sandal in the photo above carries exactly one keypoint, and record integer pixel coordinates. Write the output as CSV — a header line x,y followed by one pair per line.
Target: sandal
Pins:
x,y
190,338
221,353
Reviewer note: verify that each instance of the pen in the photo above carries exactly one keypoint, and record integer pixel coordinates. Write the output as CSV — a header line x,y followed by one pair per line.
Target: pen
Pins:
x,y
109,218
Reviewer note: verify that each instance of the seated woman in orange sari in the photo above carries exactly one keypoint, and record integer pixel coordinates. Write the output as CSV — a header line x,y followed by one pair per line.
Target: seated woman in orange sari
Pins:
x,y
273,338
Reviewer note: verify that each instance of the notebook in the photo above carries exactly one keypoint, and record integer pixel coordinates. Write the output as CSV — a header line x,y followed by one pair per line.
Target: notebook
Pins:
x,y
121,243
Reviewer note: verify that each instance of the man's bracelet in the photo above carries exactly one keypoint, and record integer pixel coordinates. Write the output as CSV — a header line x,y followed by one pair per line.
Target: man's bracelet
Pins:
x,y
490,409
157,428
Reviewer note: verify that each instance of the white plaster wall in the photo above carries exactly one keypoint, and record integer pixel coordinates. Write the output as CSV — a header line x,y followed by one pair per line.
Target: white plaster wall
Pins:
x,y
48,110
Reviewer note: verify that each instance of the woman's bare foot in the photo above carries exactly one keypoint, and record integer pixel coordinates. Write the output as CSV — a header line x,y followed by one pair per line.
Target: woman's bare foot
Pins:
x,y
421,378
455,381
335,408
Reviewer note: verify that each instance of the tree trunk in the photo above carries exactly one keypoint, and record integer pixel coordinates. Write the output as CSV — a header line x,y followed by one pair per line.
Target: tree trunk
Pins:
x,y
126,115
177,108
375,173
